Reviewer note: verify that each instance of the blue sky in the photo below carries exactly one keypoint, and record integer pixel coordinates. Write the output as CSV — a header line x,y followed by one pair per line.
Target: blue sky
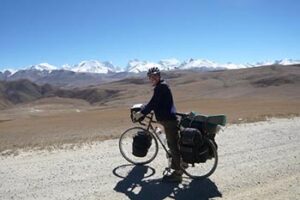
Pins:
x,y
69,31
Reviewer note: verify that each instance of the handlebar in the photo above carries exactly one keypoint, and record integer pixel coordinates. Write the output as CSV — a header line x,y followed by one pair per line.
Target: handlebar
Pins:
x,y
148,117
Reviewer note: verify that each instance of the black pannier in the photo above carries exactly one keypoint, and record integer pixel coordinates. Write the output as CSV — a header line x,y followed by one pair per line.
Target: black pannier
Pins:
x,y
192,146
141,144
207,125
204,153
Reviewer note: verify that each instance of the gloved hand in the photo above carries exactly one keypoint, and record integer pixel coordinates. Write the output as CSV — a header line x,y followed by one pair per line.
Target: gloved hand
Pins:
x,y
137,116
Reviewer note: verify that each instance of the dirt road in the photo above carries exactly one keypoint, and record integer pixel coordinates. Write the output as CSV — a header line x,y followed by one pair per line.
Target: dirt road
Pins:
x,y
256,161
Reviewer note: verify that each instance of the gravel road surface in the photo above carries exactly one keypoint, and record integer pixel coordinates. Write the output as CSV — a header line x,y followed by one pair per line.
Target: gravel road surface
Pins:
x,y
256,161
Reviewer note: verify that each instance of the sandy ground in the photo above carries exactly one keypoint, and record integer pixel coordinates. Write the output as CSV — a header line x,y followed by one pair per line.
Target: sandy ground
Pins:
x,y
256,161
52,125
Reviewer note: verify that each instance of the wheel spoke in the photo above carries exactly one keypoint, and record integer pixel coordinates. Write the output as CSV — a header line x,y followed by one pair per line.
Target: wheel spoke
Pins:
x,y
203,170
125,145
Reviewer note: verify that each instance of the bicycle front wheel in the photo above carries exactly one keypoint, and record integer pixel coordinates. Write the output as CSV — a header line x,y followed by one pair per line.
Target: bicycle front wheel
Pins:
x,y
203,170
126,146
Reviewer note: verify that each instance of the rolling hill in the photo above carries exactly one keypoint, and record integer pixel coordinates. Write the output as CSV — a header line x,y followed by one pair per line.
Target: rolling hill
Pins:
x,y
261,82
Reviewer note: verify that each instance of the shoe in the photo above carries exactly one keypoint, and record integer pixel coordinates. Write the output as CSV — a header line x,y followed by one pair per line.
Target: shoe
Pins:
x,y
175,177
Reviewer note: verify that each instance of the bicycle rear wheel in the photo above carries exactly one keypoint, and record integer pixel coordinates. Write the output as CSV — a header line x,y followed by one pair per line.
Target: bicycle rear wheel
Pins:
x,y
126,148
203,170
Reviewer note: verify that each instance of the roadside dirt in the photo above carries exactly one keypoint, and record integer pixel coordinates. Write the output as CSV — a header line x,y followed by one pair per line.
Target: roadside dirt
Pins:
x,y
256,161
50,126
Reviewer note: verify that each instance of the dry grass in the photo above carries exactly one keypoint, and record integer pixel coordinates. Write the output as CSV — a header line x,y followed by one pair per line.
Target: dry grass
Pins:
x,y
53,123
98,123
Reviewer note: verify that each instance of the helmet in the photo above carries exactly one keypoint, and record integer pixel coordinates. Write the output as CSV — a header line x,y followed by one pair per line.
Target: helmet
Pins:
x,y
153,71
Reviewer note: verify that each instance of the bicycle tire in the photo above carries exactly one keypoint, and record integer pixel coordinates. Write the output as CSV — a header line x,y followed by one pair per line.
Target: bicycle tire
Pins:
x,y
203,170
125,146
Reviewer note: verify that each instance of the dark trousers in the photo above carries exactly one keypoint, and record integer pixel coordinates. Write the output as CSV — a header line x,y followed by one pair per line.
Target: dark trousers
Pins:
x,y
171,130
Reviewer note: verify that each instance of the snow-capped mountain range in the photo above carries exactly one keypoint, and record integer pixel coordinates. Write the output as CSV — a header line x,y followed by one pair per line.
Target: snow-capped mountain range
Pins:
x,y
137,66
94,72
93,66
42,67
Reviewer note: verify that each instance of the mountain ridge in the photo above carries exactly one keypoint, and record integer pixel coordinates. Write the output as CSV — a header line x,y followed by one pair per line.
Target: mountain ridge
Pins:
x,y
280,82
24,91
137,66
83,77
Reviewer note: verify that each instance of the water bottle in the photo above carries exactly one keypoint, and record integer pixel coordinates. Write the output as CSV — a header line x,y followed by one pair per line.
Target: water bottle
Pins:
x,y
161,135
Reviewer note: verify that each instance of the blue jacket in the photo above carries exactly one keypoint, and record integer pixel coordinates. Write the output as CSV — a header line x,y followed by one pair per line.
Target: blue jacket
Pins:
x,y
161,103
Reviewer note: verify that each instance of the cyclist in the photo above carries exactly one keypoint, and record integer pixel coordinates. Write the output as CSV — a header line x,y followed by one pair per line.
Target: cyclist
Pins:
x,y
165,112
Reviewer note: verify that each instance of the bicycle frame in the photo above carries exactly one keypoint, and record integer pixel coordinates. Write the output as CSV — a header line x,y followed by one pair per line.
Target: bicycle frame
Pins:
x,y
151,129
192,170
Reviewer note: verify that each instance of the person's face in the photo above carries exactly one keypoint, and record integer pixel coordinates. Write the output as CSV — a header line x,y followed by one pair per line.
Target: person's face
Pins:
x,y
154,79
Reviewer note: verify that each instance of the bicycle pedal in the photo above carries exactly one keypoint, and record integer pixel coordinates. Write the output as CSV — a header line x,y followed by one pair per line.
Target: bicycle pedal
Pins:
x,y
167,171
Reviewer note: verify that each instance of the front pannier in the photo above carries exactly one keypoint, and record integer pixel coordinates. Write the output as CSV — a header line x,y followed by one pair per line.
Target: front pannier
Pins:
x,y
192,147
141,144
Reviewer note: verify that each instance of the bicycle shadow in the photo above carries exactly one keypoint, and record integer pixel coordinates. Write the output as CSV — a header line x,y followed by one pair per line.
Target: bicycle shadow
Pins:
x,y
134,187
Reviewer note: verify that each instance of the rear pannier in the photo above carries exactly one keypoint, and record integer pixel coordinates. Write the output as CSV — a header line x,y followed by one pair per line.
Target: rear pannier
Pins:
x,y
206,124
192,147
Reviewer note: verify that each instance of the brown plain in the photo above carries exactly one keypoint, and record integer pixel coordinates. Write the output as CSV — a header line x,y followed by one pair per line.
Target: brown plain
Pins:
x,y
243,95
